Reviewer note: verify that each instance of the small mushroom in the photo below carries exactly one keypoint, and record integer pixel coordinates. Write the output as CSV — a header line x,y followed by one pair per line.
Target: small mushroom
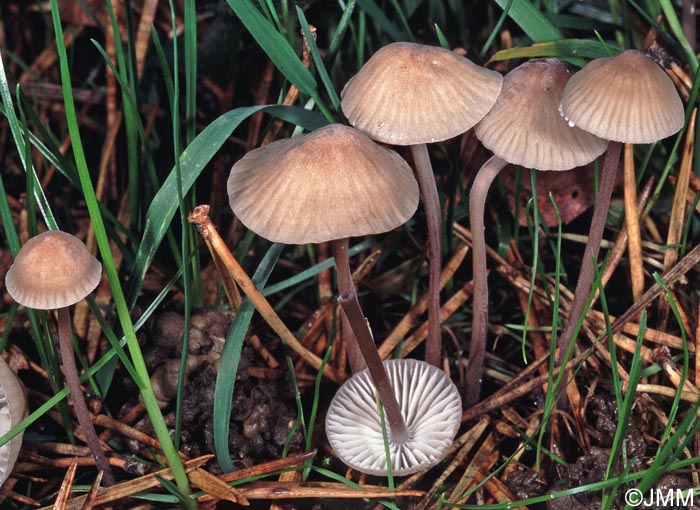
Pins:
x,y
13,408
524,128
624,99
430,404
55,270
413,94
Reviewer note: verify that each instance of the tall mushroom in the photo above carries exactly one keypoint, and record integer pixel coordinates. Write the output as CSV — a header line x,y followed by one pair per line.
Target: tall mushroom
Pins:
x,y
13,408
53,271
624,99
412,94
524,128
328,185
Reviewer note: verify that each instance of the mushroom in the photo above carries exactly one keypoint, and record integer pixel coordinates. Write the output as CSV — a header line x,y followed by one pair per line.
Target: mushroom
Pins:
x,y
13,408
624,99
429,402
328,185
52,271
524,128
412,94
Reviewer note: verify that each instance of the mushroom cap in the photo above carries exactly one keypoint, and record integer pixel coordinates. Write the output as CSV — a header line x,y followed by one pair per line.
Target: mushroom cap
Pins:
x,y
409,94
330,184
626,98
52,270
430,404
525,128
13,408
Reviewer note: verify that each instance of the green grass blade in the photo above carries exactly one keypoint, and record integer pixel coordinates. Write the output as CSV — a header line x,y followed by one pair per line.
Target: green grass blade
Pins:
x,y
154,413
531,21
339,33
677,29
276,46
569,48
228,363
193,160
318,61
378,16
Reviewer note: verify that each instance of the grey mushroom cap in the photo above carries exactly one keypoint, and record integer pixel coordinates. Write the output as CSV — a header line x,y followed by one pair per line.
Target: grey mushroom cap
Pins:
x,y
525,128
626,98
52,270
330,184
430,404
13,408
409,94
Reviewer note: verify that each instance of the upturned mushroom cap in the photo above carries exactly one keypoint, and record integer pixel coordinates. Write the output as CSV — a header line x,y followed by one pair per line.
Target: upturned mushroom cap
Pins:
x,y
330,184
525,128
13,408
430,404
409,94
52,270
626,98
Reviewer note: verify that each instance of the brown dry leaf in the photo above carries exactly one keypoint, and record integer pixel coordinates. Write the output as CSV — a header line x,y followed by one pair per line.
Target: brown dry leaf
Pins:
x,y
572,191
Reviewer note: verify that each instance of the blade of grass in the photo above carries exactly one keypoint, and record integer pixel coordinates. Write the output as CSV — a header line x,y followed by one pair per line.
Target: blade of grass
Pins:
x,y
339,33
130,114
274,45
677,29
193,160
318,61
574,50
625,411
228,364
154,413
378,16
533,22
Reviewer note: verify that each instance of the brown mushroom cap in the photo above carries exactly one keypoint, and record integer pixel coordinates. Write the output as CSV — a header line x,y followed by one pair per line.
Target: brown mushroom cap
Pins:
x,y
525,128
330,184
430,404
409,94
626,98
52,270
13,408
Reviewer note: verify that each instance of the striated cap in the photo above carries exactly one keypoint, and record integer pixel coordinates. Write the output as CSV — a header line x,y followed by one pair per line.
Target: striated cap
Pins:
x,y
525,128
626,98
52,270
409,94
330,184
430,404
13,408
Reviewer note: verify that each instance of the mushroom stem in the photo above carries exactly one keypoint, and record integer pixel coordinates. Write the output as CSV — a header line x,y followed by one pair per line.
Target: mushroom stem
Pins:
x,y
431,203
345,284
81,410
351,307
480,305
590,253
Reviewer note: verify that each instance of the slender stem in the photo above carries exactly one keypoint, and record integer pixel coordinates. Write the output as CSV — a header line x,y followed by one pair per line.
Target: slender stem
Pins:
x,y
81,410
351,307
342,265
590,253
431,203
480,304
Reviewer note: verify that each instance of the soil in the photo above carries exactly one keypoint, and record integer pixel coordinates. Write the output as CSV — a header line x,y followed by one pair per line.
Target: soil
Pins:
x,y
263,411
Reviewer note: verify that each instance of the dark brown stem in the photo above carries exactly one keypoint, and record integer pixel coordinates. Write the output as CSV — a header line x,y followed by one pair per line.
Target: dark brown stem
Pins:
x,y
480,304
590,253
431,203
345,284
351,307
81,410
